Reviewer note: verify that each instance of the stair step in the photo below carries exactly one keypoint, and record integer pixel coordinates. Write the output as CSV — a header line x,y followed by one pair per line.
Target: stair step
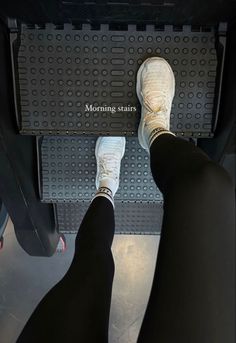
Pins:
x,y
67,166
61,70
130,217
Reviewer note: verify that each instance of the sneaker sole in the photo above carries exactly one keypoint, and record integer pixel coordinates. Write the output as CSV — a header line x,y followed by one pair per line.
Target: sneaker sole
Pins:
x,y
138,90
96,154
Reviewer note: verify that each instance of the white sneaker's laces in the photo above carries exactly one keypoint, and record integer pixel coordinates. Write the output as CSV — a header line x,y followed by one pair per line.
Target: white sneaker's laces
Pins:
x,y
161,108
109,166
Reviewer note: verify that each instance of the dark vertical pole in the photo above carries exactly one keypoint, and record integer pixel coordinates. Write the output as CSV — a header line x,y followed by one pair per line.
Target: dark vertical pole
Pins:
x,y
34,222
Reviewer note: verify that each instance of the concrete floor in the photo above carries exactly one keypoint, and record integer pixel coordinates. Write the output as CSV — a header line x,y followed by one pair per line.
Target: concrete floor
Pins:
x,y
24,280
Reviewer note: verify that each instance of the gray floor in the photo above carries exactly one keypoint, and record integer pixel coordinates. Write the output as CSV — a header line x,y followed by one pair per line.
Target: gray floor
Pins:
x,y
24,280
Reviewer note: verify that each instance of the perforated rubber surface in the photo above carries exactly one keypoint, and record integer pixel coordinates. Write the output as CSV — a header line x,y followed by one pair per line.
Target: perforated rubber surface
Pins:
x,y
68,170
130,218
62,70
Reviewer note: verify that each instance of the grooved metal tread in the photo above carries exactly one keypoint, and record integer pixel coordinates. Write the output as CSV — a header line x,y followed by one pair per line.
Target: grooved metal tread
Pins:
x,y
67,166
130,218
60,70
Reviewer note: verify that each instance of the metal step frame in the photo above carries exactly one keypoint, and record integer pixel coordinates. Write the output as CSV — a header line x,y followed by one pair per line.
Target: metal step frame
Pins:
x,y
136,218
67,170
60,70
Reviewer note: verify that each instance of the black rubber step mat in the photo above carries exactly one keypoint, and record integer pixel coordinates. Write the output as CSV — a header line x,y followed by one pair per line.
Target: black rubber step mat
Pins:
x,y
82,81
67,166
130,218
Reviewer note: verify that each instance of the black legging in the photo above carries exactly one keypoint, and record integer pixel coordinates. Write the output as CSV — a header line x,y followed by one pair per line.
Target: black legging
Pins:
x,y
193,293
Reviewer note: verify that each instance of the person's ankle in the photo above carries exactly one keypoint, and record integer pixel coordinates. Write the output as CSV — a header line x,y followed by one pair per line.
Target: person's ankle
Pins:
x,y
109,183
157,132
106,193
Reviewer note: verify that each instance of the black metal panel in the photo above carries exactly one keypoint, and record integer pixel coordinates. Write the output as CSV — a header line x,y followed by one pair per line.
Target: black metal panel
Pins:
x,y
177,12
34,223
224,139
130,217
62,72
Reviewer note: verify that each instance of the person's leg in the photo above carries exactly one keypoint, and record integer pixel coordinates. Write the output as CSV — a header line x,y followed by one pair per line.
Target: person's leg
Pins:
x,y
193,292
77,308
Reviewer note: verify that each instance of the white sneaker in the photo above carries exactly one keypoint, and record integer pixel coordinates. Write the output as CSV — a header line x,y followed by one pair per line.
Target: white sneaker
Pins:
x,y
155,89
109,152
